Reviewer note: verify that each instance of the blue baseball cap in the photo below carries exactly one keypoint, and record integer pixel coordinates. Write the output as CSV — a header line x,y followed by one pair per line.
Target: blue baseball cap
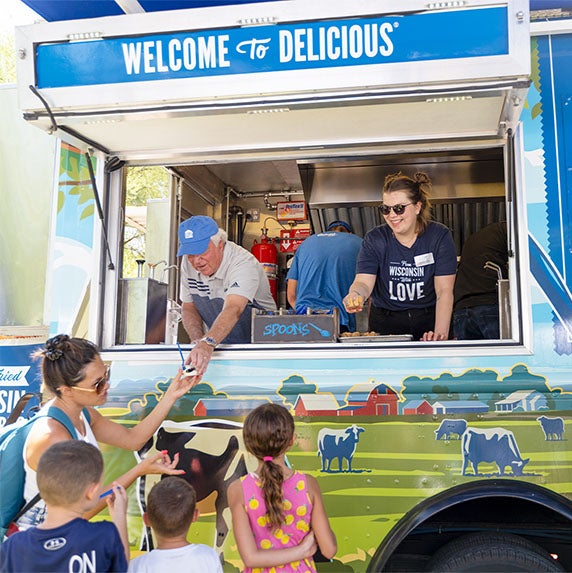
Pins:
x,y
339,224
195,234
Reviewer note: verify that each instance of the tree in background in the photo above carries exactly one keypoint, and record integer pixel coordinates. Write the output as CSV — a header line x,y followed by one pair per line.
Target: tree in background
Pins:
x,y
143,183
7,59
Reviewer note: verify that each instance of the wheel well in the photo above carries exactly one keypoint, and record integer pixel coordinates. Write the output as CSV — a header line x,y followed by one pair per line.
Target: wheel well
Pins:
x,y
510,506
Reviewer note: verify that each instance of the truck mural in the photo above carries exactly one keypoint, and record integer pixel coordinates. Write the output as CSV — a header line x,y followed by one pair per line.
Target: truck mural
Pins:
x,y
395,459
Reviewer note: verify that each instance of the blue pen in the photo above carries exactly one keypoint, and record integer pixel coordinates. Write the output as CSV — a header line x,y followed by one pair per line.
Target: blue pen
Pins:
x,y
106,493
182,357
188,370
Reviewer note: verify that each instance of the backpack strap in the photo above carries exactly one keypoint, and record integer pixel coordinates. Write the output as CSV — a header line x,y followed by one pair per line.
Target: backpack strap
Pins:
x,y
20,405
63,419
28,506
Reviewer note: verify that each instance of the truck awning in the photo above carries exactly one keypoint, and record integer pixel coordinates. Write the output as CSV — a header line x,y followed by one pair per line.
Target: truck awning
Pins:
x,y
284,78
56,10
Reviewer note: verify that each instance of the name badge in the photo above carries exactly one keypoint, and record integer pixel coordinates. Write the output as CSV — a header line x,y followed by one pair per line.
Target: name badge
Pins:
x,y
424,260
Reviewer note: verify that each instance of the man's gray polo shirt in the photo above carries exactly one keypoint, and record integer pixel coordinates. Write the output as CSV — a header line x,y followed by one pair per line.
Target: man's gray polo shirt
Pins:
x,y
239,273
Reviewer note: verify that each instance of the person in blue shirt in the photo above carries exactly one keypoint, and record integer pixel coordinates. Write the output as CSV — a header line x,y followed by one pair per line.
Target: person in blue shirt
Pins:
x,y
408,265
322,270
70,476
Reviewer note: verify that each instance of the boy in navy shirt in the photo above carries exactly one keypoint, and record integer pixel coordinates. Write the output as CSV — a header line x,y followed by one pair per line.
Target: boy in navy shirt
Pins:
x,y
70,475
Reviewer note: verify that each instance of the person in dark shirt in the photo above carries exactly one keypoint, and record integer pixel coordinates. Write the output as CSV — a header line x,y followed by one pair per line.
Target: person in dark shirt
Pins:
x,y
407,265
476,309
70,476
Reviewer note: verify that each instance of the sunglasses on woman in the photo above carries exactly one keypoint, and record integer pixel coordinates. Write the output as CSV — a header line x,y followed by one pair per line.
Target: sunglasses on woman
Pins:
x,y
397,209
98,385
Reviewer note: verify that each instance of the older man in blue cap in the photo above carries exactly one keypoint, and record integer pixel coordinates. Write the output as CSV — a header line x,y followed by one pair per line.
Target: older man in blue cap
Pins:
x,y
220,283
322,270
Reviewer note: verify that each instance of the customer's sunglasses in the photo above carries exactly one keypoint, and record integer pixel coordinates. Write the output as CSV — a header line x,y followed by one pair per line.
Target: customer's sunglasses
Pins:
x,y
397,209
98,385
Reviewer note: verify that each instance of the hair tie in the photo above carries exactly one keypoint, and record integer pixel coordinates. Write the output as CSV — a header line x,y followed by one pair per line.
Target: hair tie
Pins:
x,y
267,458
52,347
54,354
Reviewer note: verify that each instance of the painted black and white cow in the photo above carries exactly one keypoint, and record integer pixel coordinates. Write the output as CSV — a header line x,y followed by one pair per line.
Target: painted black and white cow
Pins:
x,y
212,454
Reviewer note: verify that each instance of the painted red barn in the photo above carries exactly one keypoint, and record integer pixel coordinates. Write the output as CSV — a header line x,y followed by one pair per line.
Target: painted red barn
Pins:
x,y
370,400
316,405
225,406
417,407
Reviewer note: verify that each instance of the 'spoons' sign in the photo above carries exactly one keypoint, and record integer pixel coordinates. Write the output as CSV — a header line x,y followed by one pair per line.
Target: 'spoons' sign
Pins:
x,y
280,47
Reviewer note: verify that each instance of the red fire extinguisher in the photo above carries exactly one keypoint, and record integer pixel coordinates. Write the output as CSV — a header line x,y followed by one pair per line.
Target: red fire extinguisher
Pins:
x,y
266,253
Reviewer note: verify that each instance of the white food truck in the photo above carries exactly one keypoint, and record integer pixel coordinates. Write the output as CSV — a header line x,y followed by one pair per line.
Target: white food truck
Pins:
x,y
276,118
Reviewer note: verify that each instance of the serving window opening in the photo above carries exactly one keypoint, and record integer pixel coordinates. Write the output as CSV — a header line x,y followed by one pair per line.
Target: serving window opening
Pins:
x,y
248,198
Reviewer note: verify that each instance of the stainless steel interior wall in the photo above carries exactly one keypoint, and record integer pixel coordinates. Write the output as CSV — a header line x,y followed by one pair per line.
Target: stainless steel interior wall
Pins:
x,y
462,217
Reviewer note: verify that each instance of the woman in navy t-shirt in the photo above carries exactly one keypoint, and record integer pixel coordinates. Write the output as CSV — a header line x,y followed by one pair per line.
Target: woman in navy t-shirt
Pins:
x,y
407,266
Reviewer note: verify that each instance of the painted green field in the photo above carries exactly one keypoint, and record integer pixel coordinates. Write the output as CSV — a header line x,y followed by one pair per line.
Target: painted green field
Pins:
x,y
397,464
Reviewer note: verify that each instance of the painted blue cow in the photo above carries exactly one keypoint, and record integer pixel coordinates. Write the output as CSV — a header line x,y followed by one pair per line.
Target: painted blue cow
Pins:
x,y
491,445
449,428
338,444
553,428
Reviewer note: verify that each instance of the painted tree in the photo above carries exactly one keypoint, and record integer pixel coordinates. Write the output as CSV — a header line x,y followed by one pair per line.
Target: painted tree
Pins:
x,y
292,387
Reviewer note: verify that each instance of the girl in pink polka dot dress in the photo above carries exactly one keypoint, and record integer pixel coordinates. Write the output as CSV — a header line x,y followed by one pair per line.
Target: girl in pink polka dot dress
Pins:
x,y
278,515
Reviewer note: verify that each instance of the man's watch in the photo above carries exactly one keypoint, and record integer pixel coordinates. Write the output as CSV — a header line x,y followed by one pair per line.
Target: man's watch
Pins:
x,y
209,340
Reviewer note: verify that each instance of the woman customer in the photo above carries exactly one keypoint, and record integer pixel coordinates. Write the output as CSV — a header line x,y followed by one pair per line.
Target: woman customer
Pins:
x,y
407,266
74,374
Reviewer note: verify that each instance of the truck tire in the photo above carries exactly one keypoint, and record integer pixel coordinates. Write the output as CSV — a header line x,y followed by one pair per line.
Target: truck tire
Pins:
x,y
501,552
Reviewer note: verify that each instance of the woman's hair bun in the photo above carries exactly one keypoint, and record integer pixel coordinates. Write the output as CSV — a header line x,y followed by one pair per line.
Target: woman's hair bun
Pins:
x,y
56,346
422,177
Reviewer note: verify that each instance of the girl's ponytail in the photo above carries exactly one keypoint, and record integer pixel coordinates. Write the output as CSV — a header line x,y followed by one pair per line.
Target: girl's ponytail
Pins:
x,y
268,432
271,480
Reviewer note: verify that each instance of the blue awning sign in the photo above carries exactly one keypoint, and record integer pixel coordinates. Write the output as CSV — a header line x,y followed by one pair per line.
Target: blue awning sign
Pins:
x,y
472,33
